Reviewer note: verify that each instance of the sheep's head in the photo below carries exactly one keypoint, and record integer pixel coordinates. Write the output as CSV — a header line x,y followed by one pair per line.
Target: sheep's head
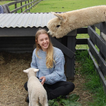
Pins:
x,y
30,69
57,26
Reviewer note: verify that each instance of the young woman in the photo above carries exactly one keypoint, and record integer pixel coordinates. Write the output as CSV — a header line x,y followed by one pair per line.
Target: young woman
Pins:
x,y
50,62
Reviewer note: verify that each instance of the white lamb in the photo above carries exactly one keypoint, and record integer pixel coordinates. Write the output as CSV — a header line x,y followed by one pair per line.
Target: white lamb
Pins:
x,y
66,22
37,93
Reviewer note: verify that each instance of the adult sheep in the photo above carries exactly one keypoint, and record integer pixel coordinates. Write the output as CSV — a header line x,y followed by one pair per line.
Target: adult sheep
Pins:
x,y
68,21
37,93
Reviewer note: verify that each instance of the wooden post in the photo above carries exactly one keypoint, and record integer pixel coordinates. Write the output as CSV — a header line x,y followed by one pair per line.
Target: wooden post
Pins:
x,y
25,6
28,6
67,45
103,35
21,5
70,62
16,6
31,4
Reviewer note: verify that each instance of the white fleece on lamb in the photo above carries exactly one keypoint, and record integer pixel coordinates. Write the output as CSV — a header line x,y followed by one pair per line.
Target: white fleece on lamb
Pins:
x,y
37,93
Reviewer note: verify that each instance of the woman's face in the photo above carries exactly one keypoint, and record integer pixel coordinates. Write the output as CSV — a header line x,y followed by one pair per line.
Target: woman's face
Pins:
x,y
43,41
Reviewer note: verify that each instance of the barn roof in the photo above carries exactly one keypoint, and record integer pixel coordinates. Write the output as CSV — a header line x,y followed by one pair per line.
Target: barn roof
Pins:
x,y
25,20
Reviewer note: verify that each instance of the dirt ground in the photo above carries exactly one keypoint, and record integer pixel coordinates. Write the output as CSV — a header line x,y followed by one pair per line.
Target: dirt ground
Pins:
x,y
12,79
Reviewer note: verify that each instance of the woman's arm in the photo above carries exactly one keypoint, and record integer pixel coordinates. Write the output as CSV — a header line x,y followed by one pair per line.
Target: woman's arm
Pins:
x,y
33,62
58,73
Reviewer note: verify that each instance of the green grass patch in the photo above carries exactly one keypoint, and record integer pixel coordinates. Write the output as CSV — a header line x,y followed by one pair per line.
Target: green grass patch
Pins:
x,y
82,36
65,5
92,79
4,2
60,5
70,101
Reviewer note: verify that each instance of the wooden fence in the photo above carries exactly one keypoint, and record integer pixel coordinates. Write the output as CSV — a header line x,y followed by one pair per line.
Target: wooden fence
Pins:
x,y
20,5
97,48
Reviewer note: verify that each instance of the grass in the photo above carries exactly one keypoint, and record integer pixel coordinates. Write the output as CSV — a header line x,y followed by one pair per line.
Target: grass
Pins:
x,y
92,79
71,101
65,5
4,2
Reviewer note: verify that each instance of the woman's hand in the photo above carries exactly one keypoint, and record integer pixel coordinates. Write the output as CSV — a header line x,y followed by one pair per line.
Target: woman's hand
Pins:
x,y
43,80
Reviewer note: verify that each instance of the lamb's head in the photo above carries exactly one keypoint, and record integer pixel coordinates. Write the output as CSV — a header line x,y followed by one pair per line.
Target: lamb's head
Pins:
x,y
31,71
57,26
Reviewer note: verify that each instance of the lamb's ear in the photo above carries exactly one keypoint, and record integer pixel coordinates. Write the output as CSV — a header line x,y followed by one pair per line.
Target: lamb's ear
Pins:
x,y
25,71
58,15
36,70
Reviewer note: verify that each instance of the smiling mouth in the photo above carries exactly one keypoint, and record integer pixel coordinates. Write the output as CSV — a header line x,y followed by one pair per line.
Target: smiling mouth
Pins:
x,y
45,45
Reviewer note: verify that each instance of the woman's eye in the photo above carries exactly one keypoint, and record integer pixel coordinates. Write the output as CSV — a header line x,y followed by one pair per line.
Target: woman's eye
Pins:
x,y
41,40
58,26
46,38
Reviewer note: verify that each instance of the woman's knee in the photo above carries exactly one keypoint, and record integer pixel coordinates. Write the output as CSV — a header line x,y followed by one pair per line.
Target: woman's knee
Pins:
x,y
70,86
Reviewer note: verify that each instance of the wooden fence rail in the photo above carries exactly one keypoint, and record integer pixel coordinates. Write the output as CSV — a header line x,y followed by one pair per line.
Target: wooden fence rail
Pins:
x,y
22,5
97,50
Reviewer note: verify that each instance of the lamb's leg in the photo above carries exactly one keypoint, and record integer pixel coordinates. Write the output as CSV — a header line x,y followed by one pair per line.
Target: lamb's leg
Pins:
x,y
34,103
30,100
29,104
45,102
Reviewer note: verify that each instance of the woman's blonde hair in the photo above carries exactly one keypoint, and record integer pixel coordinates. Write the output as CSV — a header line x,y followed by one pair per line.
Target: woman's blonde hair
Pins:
x,y
49,55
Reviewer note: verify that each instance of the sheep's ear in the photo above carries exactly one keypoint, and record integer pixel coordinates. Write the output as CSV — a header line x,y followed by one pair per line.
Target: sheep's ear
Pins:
x,y
58,15
36,70
25,71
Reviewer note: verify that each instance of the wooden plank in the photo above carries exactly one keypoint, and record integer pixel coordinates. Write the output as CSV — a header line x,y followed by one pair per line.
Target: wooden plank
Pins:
x,y
69,50
103,36
21,40
81,41
103,27
70,66
65,50
82,31
17,44
12,3
18,32
17,40
98,71
17,50
97,25
96,39
22,6
98,57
